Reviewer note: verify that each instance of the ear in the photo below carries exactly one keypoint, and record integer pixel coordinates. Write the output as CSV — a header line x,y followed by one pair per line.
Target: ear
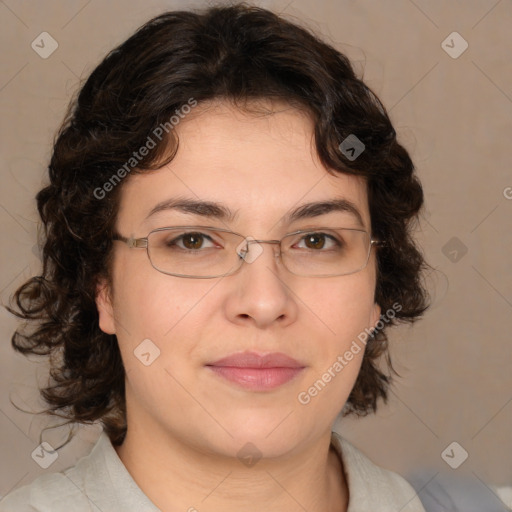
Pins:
x,y
105,307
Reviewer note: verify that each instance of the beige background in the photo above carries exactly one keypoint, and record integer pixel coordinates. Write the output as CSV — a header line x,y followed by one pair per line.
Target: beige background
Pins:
x,y
454,115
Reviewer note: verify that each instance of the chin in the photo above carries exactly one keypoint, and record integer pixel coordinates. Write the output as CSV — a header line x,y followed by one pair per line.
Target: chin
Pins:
x,y
269,433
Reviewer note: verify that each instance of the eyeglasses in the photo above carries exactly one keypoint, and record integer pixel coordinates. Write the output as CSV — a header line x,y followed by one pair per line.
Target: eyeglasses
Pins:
x,y
205,252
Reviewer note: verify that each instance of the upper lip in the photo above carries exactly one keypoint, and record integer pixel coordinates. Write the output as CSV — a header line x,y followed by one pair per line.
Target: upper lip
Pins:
x,y
255,360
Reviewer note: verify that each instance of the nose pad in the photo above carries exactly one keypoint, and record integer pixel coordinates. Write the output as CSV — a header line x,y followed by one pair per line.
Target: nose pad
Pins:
x,y
249,254
249,250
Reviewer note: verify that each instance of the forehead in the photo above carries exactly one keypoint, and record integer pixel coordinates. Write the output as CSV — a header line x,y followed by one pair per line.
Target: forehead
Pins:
x,y
259,164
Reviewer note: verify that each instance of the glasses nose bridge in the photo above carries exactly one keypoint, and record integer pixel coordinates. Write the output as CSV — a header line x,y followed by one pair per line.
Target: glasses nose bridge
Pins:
x,y
264,241
249,240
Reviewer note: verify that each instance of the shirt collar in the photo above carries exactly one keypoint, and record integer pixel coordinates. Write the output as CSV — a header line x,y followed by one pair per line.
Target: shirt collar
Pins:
x,y
371,487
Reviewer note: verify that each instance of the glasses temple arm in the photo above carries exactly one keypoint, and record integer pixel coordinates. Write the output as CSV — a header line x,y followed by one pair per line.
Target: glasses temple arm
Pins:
x,y
131,242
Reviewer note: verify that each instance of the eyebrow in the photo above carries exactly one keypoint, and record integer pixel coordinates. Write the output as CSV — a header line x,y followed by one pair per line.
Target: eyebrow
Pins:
x,y
218,211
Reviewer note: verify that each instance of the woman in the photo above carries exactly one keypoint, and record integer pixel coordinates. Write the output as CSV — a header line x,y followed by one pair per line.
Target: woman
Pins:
x,y
227,240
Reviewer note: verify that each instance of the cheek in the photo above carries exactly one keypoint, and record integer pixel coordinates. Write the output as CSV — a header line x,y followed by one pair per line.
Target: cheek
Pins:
x,y
156,333
143,305
342,313
344,308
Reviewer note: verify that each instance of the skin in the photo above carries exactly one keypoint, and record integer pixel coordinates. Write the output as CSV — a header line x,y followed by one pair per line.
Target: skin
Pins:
x,y
185,423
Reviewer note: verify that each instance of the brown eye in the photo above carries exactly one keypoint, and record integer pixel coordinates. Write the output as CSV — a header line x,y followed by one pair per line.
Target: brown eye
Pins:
x,y
192,241
318,241
315,241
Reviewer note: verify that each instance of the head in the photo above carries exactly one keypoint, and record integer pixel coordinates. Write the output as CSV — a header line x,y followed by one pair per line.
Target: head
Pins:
x,y
239,107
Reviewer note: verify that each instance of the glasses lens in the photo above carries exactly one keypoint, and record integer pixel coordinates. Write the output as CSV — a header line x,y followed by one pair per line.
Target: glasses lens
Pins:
x,y
326,252
193,251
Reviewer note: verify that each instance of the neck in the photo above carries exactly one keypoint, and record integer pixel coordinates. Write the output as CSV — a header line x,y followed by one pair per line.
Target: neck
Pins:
x,y
178,476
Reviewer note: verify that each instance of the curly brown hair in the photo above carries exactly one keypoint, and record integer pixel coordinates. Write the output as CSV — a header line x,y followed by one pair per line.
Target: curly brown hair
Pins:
x,y
237,53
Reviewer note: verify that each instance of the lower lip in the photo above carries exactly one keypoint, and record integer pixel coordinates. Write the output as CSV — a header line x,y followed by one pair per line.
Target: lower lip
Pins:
x,y
257,379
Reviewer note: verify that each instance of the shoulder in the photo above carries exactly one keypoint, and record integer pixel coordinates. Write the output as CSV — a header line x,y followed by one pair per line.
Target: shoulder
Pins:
x,y
52,492
98,481
372,487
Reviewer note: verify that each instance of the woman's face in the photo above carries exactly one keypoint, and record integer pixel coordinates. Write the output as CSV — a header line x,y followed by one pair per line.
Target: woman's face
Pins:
x,y
261,168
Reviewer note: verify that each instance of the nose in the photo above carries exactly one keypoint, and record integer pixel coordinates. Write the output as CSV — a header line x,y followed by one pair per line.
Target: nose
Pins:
x,y
261,292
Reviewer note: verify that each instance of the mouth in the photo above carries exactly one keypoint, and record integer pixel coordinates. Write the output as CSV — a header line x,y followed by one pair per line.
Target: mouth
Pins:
x,y
257,372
